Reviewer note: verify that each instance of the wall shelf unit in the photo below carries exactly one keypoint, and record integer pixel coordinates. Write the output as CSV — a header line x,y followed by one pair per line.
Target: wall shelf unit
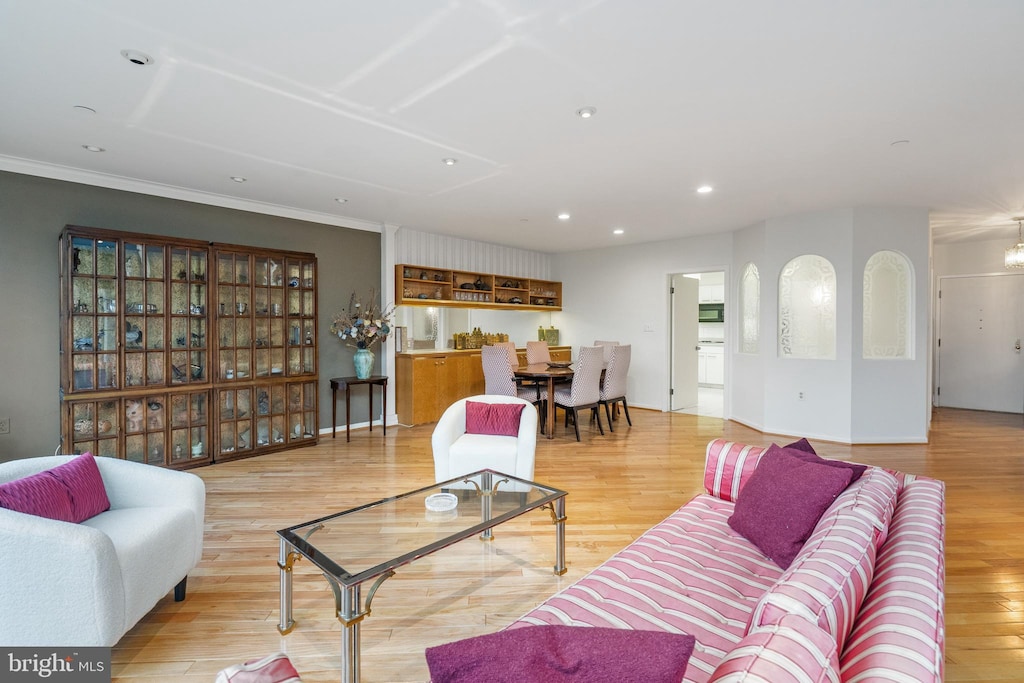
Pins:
x,y
429,286
181,353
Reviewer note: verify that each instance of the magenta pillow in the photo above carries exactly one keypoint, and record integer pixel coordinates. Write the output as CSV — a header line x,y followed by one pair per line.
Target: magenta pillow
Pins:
x,y
82,478
554,654
783,500
802,449
40,494
71,492
499,419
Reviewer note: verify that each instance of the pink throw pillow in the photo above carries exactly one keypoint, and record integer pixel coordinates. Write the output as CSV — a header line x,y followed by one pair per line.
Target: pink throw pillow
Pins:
x,y
499,419
40,494
72,492
805,451
559,654
82,478
783,501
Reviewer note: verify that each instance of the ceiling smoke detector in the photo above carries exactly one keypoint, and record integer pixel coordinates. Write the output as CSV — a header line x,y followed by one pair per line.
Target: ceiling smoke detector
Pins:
x,y
136,57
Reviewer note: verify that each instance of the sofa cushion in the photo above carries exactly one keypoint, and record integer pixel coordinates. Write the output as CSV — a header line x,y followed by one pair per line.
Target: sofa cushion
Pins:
x,y
563,653
728,466
794,650
690,573
805,451
70,492
499,419
828,579
39,494
783,500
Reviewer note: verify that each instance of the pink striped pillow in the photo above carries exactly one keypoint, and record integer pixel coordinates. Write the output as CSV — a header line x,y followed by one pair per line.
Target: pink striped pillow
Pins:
x,y
499,419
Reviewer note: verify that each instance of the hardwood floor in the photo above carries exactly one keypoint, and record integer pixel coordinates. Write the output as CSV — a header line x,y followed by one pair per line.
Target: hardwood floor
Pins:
x,y
619,485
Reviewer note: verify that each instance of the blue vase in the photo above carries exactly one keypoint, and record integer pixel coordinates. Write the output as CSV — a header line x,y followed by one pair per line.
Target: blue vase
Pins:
x,y
363,360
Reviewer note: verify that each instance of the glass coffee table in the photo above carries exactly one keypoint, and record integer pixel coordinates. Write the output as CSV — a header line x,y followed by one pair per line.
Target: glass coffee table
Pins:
x,y
368,542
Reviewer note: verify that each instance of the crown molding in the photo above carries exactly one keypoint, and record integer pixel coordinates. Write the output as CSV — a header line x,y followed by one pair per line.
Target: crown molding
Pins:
x,y
115,182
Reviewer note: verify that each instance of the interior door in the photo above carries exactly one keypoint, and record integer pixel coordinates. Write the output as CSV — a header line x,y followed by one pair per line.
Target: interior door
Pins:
x,y
685,345
981,325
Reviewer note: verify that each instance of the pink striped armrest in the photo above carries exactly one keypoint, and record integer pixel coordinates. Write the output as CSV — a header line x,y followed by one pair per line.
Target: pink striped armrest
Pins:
x,y
900,631
727,467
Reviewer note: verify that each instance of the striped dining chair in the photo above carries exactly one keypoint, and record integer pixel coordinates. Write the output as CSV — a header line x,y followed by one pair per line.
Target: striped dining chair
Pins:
x,y
499,379
584,391
613,389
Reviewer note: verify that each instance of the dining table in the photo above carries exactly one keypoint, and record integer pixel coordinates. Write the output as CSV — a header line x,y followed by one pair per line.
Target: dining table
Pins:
x,y
550,374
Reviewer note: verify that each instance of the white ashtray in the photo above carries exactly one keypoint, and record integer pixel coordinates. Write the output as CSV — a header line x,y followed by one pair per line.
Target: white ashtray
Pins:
x,y
441,502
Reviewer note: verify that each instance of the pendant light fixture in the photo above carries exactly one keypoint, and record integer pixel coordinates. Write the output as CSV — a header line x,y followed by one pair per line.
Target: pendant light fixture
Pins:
x,y
1015,254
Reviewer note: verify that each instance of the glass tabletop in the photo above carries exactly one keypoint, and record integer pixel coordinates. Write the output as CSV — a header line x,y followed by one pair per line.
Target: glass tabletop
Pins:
x,y
361,543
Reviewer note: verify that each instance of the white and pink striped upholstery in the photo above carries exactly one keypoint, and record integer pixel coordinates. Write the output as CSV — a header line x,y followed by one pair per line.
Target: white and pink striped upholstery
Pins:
x,y
861,602
900,632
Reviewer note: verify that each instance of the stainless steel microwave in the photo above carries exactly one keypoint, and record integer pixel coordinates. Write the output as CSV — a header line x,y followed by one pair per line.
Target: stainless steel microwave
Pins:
x,y
711,313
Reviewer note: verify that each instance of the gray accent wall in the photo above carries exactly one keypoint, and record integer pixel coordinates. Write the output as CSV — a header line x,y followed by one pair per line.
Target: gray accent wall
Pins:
x,y
33,211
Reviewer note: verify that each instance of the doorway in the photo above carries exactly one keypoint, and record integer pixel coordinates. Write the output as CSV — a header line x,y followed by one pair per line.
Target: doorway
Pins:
x,y
697,343
981,330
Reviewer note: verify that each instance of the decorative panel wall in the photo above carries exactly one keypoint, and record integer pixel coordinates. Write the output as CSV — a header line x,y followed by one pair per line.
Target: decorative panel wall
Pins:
x,y
750,309
807,308
888,296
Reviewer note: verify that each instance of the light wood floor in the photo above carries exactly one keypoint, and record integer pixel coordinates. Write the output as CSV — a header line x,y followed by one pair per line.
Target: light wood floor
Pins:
x,y
619,485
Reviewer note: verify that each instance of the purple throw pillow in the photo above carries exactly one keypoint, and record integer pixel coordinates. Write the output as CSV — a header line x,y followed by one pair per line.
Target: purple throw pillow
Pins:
x,y
499,419
72,492
802,449
39,494
554,654
82,478
783,500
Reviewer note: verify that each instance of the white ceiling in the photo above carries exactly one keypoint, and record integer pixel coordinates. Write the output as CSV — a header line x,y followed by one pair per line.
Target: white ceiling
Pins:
x,y
781,106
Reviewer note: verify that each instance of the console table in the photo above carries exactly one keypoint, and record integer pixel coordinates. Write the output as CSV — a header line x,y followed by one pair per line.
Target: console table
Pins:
x,y
346,384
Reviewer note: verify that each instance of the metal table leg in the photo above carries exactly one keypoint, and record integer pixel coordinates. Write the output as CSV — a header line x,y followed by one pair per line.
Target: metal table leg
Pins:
x,y
349,613
287,557
558,517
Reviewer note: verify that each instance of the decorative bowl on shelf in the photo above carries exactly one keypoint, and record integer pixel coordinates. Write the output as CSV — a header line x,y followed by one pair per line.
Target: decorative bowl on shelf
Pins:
x,y
441,502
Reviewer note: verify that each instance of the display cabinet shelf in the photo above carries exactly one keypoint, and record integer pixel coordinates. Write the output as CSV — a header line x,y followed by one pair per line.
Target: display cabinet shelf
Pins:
x,y
428,286
164,343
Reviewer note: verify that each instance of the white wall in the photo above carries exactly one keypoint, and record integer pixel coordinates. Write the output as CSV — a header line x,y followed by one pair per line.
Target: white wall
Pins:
x,y
622,293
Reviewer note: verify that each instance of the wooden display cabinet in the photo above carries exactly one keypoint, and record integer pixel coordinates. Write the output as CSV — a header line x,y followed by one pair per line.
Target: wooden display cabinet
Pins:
x,y
428,286
153,370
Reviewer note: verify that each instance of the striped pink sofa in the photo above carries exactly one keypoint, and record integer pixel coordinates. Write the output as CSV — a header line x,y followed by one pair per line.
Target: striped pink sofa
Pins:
x,y
862,601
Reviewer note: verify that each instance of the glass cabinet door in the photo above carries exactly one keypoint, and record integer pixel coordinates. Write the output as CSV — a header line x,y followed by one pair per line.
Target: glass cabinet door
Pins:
x,y
268,297
234,416
145,321
234,316
301,317
144,427
189,419
95,425
188,307
301,411
93,304
271,420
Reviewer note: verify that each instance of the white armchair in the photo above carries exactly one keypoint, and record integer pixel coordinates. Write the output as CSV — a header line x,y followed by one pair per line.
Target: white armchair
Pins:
x,y
87,584
457,453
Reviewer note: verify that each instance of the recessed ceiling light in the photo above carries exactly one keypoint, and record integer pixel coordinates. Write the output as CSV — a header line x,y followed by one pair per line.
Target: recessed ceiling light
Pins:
x,y
93,148
563,216
238,179
586,112
136,57
618,231
704,189
448,161
340,200
84,109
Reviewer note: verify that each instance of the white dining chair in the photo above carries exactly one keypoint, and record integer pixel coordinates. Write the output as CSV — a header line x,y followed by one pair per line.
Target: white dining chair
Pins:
x,y
613,389
584,391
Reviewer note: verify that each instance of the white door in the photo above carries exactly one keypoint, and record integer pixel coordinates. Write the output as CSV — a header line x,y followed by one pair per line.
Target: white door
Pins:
x,y
684,342
981,326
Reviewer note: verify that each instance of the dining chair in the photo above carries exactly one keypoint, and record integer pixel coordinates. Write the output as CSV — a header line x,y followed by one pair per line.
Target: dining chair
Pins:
x,y
584,391
511,349
606,347
499,379
613,389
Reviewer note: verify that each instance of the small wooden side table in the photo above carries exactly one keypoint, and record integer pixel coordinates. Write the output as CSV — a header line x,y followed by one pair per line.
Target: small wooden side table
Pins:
x,y
346,384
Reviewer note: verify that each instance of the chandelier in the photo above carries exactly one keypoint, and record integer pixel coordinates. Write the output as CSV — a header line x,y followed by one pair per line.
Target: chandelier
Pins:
x,y
1015,254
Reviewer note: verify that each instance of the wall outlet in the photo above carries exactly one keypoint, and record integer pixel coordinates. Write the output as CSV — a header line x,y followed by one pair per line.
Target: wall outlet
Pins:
x,y
649,327
800,395
5,425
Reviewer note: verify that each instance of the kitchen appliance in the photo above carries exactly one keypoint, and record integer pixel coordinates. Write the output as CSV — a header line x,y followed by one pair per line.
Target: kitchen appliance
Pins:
x,y
711,313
